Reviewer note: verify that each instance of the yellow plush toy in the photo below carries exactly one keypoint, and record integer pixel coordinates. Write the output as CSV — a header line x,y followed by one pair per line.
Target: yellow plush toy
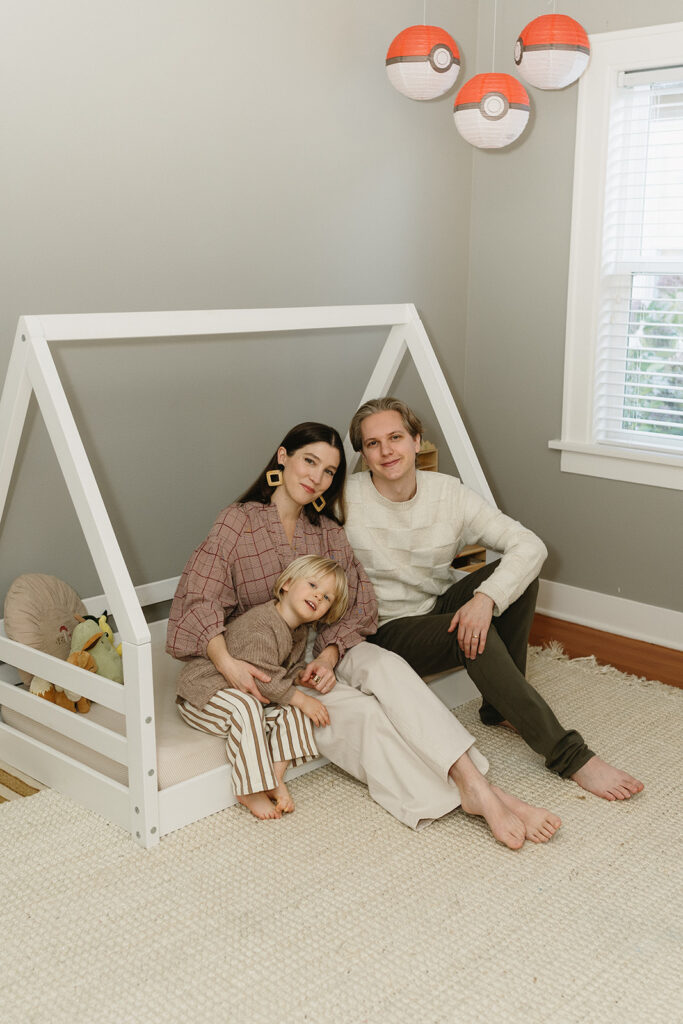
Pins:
x,y
92,648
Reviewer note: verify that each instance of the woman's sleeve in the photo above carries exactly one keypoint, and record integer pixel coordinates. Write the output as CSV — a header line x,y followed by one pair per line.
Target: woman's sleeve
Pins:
x,y
360,619
205,595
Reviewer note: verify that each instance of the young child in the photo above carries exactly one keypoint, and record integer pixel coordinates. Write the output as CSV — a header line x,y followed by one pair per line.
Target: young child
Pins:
x,y
271,637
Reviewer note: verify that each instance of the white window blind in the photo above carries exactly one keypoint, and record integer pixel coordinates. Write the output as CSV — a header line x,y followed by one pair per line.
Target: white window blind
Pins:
x,y
638,385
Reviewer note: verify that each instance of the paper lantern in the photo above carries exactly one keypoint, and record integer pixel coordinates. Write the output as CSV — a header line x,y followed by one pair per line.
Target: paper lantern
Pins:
x,y
423,62
491,110
552,51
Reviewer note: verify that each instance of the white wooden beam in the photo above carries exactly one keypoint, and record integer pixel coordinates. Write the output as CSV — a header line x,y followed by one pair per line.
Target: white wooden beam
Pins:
x,y
187,323
445,409
143,780
13,408
381,378
82,486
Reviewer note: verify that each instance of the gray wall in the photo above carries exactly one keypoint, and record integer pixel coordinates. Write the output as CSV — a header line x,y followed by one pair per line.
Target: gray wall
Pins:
x,y
170,154
166,154
615,538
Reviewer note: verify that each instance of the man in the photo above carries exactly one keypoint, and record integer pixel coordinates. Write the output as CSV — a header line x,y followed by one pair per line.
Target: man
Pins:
x,y
406,527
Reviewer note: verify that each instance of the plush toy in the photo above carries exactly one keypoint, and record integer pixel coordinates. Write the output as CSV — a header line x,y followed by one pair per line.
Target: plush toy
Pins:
x,y
40,612
106,628
92,648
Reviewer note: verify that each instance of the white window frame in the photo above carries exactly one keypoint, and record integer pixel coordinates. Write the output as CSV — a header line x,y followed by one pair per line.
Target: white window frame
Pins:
x,y
611,53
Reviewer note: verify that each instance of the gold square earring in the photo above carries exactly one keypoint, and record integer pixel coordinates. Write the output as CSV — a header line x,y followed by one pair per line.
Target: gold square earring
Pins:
x,y
274,477
319,503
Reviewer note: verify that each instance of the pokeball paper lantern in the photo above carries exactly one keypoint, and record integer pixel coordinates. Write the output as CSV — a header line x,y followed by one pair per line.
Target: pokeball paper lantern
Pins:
x,y
423,62
552,51
491,110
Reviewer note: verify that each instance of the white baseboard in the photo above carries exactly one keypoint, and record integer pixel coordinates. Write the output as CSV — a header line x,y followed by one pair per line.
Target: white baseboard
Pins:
x,y
646,622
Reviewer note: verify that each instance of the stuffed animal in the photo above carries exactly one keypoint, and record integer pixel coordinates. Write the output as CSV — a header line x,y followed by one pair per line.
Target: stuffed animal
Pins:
x,y
106,628
40,612
92,648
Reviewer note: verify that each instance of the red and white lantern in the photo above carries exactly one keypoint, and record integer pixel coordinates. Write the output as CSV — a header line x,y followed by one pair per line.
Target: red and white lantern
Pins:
x,y
552,51
491,110
423,62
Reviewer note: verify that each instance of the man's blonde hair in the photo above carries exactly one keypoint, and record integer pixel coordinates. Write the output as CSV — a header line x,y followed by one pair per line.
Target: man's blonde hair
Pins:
x,y
410,420
316,567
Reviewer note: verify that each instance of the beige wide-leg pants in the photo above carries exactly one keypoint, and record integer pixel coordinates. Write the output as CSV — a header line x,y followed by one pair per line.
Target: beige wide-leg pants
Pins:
x,y
390,731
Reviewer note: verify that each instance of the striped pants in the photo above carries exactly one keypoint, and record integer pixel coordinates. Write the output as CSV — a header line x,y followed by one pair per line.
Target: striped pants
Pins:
x,y
256,735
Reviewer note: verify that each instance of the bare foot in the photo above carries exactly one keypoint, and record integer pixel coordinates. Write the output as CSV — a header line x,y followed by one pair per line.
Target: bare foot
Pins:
x,y
281,795
540,824
477,797
508,725
282,798
603,780
259,805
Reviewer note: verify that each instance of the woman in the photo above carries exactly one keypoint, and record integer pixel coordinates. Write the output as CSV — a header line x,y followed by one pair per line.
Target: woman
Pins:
x,y
386,728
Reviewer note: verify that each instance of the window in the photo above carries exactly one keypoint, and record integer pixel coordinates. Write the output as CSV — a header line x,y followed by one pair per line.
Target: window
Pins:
x,y
623,395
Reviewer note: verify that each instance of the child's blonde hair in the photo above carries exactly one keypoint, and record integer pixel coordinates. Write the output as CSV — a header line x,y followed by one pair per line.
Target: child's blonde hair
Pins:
x,y
317,567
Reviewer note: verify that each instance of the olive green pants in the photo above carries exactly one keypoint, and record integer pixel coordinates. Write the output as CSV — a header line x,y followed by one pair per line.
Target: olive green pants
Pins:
x,y
498,673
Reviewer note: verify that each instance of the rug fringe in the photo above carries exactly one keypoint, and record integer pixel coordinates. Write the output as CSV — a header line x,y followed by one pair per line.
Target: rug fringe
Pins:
x,y
554,651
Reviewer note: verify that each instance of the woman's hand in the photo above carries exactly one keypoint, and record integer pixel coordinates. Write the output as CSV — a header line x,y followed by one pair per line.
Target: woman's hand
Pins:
x,y
319,673
472,622
239,675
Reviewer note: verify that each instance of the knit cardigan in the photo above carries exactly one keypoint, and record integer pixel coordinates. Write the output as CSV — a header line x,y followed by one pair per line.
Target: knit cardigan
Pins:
x,y
261,637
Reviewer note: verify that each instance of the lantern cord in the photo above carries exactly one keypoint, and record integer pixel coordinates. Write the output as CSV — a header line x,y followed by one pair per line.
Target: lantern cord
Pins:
x,y
495,19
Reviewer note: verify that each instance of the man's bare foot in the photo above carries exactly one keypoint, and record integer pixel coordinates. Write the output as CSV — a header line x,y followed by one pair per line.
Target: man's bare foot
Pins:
x,y
259,805
603,780
477,797
282,798
508,725
540,824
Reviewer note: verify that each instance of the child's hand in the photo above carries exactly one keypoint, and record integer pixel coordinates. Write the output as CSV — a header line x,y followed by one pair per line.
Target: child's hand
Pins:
x,y
315,710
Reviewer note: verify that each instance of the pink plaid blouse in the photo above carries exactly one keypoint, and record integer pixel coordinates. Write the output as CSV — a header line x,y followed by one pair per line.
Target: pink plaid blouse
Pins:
x,y
236,567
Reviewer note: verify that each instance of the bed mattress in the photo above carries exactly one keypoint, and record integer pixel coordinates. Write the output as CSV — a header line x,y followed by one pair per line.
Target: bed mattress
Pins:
x,y
182,752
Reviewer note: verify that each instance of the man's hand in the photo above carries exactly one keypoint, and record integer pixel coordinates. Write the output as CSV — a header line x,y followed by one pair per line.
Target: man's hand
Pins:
x,y
472,622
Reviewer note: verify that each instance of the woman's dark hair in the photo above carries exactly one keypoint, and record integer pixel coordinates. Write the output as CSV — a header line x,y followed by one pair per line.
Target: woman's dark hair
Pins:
x,y
298,437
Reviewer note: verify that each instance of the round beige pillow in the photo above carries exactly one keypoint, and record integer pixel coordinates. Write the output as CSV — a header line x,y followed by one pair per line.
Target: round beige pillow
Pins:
x,y
40,611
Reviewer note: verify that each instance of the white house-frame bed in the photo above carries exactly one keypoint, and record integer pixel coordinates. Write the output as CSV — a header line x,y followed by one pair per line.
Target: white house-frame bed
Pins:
x,y
138,804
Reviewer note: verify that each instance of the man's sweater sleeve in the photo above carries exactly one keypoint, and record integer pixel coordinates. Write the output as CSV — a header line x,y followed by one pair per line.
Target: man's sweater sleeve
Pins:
x,y
523,553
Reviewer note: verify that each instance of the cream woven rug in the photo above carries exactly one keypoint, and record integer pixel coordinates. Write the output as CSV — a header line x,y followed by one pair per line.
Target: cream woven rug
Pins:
x,y
339,915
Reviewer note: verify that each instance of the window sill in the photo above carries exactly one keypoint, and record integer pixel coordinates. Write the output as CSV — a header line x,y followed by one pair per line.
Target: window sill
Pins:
x,y
630,465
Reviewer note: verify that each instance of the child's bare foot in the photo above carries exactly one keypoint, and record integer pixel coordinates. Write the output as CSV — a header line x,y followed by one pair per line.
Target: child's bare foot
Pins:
x,y
604,780
281,795
282,798
540,824
260,805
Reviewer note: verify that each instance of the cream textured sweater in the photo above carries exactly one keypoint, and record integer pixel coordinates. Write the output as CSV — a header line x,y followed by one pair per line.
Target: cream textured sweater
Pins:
x,y
407,547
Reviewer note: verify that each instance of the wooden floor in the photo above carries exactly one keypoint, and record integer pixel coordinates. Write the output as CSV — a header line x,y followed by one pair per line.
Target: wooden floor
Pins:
x,y
633,656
